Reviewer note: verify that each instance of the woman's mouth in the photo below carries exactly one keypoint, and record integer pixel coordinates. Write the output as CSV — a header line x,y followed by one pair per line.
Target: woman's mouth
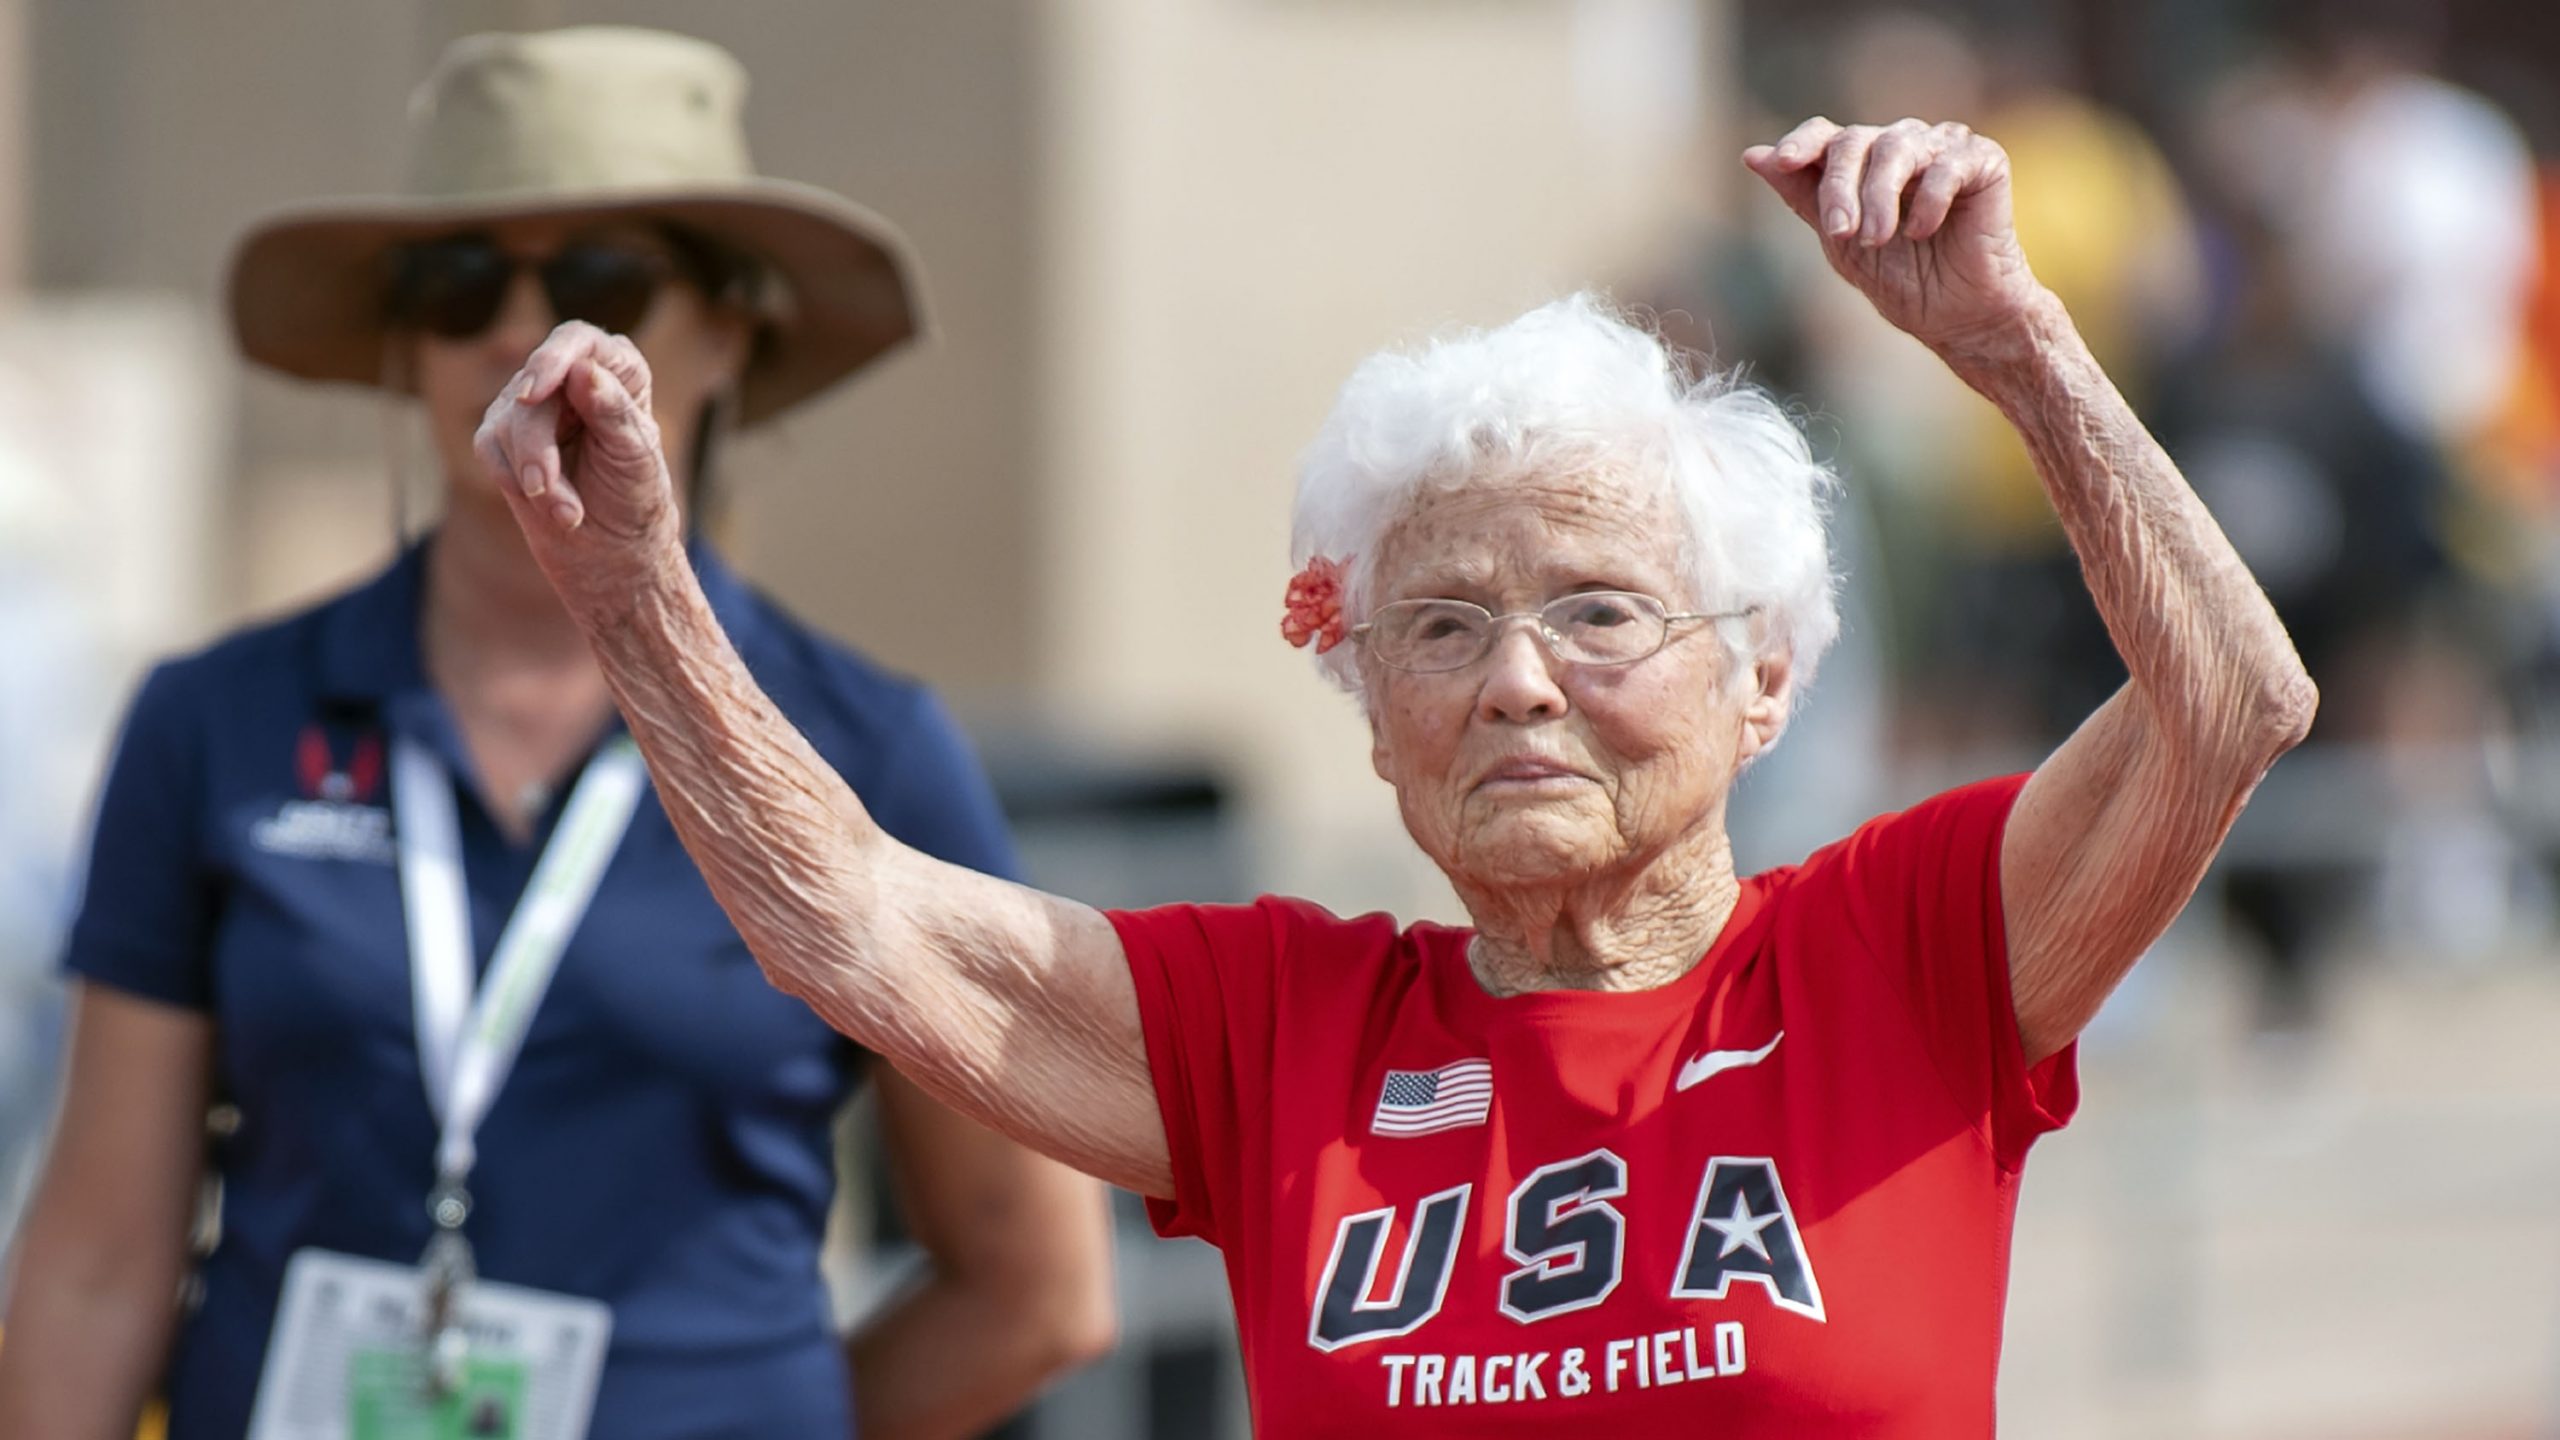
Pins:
x,y
1529,773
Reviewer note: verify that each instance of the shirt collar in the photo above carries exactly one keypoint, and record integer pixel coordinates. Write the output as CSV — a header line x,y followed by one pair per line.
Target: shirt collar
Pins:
x,y
369,640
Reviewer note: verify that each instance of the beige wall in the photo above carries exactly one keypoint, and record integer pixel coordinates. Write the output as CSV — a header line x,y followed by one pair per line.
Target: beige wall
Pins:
x,y
15,70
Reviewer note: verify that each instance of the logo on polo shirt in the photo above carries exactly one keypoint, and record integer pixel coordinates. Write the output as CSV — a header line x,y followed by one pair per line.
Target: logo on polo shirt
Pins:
x,y
315,764
337,815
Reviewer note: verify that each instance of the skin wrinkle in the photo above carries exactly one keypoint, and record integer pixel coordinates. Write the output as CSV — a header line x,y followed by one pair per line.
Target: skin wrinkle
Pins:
x,y
2154,779
830,906
1623,881
2114,830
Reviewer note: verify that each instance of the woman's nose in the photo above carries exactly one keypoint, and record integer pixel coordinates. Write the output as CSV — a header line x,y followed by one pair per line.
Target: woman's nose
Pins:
x,y
524,318
1520,677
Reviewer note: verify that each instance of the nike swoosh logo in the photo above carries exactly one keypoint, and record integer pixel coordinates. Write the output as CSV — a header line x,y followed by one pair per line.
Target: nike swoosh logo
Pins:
x,y
1716,1062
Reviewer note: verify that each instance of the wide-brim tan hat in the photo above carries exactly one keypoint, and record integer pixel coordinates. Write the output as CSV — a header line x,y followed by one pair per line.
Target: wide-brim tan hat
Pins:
x,y
600,121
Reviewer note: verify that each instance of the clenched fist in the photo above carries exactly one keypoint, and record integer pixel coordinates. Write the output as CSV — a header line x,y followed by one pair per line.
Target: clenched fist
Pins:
x,y
1915,215
573,443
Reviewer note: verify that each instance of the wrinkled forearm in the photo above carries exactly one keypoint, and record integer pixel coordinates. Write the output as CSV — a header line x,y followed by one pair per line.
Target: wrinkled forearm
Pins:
x,y
2207,655
789,852
958,979
2115,829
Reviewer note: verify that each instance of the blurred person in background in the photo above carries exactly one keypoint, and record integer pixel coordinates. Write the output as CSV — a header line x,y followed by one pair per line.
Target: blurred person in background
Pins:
x,y
2412,212
2400,245
386,877
1458,1176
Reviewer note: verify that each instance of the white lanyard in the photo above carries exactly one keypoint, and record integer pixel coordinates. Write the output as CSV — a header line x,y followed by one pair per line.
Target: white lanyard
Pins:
x,y
467,1045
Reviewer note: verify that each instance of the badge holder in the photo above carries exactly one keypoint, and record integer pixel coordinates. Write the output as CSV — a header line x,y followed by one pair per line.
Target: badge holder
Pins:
x,y
371,1350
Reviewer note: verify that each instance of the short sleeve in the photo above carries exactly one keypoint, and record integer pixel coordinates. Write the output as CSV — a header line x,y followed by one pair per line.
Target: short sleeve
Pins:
x,y
147,905
934,796
1207,983
1922,889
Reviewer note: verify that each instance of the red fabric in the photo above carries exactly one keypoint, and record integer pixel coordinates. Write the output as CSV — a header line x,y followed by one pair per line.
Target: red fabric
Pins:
x,y
1894,1114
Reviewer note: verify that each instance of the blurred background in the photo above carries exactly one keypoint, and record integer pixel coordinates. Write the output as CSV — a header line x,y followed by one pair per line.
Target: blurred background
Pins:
x,y
2315,1187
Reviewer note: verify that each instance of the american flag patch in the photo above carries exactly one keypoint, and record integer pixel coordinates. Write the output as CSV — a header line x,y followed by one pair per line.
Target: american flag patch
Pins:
x,y
1418,1102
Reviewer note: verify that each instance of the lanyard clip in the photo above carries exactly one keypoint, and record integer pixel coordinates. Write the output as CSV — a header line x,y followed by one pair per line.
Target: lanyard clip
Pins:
x,y
448,1204
448,1271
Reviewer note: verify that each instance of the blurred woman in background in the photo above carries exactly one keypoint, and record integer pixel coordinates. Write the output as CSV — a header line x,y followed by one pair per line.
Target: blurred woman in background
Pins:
x,y
386,878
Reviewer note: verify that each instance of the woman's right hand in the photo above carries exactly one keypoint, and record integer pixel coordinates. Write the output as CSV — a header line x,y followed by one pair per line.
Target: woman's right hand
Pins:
x,y
1917,217
574,444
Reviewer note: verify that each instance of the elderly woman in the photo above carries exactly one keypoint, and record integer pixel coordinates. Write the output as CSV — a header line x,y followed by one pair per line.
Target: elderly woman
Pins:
x,y
1653,1148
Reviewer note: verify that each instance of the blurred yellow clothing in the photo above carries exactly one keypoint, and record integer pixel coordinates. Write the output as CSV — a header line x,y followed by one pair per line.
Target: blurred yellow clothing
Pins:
x,y
2107,230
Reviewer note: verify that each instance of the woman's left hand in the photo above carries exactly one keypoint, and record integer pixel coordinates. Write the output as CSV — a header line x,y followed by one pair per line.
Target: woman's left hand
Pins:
x,y
1915,215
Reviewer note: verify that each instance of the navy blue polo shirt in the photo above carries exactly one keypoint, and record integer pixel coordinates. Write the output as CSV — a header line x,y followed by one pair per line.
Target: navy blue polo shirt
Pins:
x,y
664,1141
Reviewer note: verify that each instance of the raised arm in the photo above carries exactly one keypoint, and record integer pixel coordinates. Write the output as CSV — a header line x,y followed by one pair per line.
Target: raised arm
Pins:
x,y
2116,828
1010,1006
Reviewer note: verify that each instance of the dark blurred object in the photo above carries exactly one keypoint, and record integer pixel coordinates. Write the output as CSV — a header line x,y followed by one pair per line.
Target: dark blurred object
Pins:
x,y
1117,830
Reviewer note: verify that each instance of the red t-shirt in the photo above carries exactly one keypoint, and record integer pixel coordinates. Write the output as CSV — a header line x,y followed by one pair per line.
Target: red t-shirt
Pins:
x,y
1772,1198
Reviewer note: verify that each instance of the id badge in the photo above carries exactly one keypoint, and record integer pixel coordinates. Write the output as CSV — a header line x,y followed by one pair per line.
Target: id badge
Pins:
x,y
346,1361
392,1401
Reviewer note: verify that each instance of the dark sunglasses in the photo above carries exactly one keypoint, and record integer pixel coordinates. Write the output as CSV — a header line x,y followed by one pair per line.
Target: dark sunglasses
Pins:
x,y
454,286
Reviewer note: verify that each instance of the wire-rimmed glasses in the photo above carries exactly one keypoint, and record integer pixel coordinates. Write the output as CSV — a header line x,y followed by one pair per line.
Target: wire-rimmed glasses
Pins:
x,y
1591,627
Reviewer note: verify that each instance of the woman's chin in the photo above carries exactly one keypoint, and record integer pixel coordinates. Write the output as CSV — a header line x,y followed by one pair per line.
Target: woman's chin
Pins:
x,y
1532,848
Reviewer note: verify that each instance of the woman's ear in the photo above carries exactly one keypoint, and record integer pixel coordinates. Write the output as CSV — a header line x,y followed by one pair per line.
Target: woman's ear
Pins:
x,y
1764,714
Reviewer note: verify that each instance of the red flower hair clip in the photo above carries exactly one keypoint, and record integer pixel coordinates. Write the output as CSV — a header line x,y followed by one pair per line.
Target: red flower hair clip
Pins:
x,y
1314,606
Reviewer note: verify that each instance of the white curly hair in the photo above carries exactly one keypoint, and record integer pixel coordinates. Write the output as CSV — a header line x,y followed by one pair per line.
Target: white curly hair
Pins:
x,y
1574,387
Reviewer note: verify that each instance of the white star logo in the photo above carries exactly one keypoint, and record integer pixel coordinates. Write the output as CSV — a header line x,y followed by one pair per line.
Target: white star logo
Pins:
x,y
1741,1229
